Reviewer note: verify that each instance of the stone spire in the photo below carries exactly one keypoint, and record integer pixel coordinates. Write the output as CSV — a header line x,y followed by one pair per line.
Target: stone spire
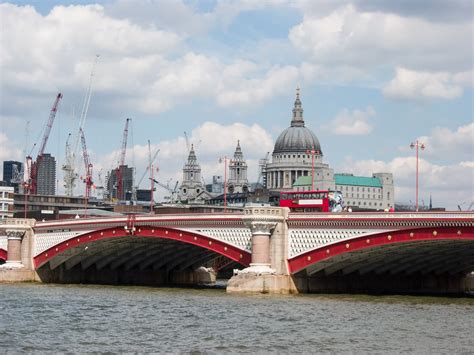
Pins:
x,y
238,152
238,181
192,160
297,120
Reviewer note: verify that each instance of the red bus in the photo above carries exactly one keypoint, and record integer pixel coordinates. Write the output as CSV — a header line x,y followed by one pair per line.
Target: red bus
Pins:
x,y
312,201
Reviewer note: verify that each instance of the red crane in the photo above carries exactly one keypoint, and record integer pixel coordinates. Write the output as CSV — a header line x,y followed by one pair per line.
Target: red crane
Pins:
x,y
88,167
33,173
120,194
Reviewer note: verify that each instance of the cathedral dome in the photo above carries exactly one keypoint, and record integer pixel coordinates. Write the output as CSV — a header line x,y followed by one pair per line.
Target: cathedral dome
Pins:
x,y
297,138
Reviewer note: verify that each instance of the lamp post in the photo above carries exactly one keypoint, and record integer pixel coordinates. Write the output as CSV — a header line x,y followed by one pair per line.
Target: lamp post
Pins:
x,y
225,181
313,153
417,145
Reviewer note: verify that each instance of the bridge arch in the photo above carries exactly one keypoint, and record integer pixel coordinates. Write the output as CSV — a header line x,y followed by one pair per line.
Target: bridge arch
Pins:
x,y
404,251
144,249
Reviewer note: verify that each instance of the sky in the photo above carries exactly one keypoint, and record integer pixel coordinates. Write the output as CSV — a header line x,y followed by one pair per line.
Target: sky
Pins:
x,y
374,77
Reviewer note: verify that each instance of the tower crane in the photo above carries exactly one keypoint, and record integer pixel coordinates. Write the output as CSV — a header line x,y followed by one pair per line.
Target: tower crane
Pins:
x,y
33,166
172,191
70,174
88,167
151,160
123,151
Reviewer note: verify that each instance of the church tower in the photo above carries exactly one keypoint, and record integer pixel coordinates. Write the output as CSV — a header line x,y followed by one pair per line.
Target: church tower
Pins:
x,y
191,185
238,182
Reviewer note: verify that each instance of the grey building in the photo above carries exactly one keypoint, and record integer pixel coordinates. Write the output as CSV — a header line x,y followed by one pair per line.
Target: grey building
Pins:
x,y
46,175
113,190
192,185
238,182
12,173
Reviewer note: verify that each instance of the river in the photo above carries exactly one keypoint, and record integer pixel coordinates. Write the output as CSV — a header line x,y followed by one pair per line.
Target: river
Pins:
x,y
76,318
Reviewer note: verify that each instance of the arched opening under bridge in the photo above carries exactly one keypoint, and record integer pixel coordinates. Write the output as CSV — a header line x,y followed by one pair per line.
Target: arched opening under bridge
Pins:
x,y
145,256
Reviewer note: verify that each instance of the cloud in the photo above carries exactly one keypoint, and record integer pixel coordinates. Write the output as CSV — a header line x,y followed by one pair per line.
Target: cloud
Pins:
x,y
8,151
141,68
448,184
422,85
211,140
446,144
351,123
371,41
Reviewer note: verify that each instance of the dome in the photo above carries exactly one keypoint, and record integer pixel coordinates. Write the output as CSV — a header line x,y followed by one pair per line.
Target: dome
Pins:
x,y
297,138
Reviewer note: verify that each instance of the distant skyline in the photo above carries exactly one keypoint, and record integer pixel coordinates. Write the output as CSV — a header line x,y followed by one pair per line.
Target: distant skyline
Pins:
x,y
374,76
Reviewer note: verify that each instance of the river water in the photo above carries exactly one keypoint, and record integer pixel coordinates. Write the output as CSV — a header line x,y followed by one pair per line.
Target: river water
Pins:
x,y
58,318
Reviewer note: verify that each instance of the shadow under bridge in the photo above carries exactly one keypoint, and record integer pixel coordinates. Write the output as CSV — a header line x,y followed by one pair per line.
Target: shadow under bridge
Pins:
x,y
146,256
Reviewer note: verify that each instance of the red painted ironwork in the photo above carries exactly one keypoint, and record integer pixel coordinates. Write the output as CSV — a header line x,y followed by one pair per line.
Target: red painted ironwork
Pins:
x,y
3,255
312,257
220,247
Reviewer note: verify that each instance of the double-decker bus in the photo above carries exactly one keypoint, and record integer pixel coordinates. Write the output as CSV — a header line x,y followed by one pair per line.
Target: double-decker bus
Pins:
x,y
312,201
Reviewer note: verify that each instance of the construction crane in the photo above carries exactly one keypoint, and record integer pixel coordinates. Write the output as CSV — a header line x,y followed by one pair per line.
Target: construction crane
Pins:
x,y
87,178
123,151
70,174
151,160
172,191
33,165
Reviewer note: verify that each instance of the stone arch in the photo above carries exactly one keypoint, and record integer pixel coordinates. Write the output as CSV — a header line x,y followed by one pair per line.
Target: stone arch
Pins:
x,y
339,256
202,241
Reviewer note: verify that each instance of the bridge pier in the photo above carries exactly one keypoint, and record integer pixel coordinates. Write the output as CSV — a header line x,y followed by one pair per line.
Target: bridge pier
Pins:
x,y
19,239
268,272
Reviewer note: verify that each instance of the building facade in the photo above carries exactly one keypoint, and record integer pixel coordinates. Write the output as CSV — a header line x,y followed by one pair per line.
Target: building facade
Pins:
x,y
238,182
192,184
6,201
296,151
46,175
360,192
125,193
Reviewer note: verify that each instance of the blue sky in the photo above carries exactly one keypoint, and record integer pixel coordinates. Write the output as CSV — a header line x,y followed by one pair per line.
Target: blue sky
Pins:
x,y
374,76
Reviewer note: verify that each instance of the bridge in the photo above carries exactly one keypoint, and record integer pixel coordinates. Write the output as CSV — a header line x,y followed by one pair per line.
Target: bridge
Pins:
x,y
268,248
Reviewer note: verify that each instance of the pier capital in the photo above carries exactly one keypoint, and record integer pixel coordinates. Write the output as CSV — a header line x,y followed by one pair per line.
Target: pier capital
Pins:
x,y
15,234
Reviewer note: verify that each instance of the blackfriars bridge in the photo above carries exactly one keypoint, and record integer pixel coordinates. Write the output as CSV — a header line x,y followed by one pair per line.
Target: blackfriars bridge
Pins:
x,y
268,249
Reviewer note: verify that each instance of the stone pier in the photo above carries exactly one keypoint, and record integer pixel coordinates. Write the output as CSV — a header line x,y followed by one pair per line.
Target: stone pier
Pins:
x,y
19,243
268,272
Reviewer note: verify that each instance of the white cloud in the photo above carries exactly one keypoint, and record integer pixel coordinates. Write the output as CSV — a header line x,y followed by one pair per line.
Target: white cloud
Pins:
x,y
351,123
348,36
421,85
448,184
141,68
8,151
359,44
211,140
444,143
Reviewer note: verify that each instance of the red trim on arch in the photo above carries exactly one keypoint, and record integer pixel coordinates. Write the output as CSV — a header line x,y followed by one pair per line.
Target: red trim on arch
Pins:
x,y
3,255
312,257
220,247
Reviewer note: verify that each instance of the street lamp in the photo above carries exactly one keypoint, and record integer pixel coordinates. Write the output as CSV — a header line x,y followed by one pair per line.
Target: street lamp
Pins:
x,y
417,145
225,181
313,153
